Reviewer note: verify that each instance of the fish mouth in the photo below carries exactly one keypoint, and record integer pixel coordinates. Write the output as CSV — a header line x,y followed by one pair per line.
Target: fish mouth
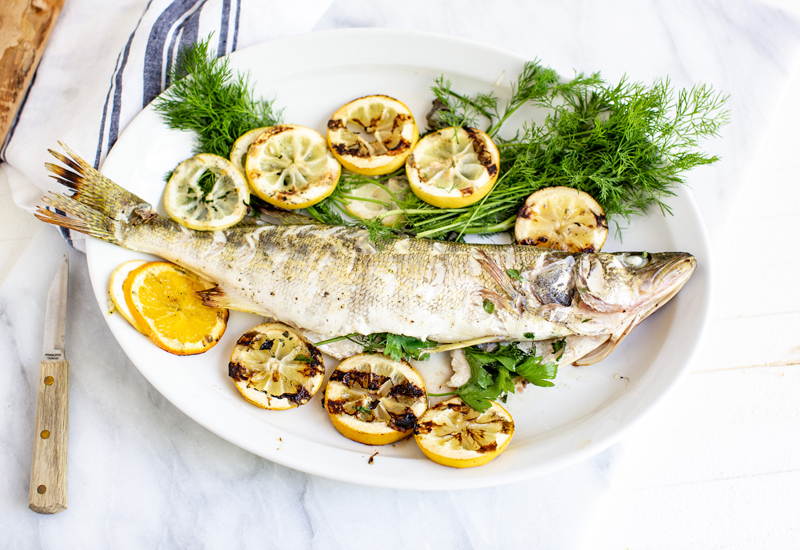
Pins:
x,y
665,282
669,277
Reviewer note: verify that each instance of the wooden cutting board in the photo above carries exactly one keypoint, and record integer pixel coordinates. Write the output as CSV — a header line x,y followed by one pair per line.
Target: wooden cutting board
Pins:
x,y
25,27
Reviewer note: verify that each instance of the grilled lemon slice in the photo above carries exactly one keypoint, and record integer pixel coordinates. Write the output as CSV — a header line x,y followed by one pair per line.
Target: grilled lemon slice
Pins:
x,y
242,145
453,167
275,368
374,199
375,400
163,301
206,193
562,218
289,166
372,135
117,294
454,434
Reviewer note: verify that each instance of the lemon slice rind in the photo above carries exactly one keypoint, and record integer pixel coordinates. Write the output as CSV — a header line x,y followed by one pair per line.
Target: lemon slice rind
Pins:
x,y
453,167
275,368
454,434
378,199
562,218
224,205
290,166
372,135
117,294
375,400
241,146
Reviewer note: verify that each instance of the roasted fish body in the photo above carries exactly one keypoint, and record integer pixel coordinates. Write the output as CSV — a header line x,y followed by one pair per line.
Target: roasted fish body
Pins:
x,y
332,281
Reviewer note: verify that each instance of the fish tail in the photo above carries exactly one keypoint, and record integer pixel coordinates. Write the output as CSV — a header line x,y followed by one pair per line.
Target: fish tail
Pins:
x,y
97,206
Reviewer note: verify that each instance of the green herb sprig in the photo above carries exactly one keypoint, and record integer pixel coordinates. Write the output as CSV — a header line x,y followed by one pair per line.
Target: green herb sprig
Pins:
x,y
206,98
396,346
628,145
493,374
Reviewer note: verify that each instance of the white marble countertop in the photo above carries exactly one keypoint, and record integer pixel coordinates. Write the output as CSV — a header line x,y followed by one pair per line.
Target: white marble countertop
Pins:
x,y
714,466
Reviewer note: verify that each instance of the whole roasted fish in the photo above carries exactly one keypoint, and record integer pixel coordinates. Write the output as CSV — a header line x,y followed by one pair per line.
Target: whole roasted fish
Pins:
x,y
332,281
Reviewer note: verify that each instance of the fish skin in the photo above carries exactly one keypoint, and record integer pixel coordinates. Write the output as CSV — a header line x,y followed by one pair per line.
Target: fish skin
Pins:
x,y
332,281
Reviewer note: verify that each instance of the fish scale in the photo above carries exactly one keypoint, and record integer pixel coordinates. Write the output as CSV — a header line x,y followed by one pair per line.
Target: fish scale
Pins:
x,y
332,281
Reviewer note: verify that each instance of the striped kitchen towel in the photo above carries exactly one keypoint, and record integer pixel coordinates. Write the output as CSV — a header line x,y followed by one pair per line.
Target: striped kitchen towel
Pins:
x,y
107,60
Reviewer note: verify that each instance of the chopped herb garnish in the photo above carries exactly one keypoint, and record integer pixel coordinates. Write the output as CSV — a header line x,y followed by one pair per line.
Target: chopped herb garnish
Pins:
x,y
559,345
396,346
407,347
493,373
530,336
303,359
514,274
488,306
361,409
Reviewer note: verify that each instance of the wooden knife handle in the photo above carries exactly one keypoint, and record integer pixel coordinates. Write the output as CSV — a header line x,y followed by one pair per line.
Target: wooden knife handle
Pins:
x,y
48,494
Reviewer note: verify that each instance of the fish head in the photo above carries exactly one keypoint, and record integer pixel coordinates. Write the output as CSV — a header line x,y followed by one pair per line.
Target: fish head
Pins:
x,y
632,282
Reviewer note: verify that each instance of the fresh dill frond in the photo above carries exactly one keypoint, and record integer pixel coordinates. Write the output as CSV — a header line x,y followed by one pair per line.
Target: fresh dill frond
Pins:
x,y
627,145
455,109
205,97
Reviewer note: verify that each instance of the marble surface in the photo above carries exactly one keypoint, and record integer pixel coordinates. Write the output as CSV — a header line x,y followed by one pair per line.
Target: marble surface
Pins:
x,y
144,475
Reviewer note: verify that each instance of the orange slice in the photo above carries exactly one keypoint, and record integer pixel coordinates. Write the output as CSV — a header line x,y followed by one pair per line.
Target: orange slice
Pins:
x,y
162,299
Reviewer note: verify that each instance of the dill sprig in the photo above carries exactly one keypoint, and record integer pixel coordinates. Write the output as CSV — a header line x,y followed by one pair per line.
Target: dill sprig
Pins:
x,y
627,145
206,98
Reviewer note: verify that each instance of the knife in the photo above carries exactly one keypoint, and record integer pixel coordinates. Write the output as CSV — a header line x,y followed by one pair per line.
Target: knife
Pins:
x,y
48,491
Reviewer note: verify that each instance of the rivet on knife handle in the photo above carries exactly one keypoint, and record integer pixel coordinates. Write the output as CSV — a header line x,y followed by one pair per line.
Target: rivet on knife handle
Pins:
x,y
48,492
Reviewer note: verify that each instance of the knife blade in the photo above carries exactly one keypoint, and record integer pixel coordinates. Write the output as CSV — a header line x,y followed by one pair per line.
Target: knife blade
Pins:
x,y
48,488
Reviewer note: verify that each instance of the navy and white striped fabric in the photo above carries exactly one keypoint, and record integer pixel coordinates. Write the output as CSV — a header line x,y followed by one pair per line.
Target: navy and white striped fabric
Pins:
x,y
106,61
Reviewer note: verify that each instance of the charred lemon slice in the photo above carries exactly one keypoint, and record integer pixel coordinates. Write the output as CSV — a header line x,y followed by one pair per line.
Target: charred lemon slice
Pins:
x,y
375,400
206,193
372,135
454,434
276,368
372,200
162,299
453,167
242,145
117,294
290,166
562,218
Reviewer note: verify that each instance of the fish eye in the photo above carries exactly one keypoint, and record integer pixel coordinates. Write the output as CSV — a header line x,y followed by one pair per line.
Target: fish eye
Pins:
x,y
637,260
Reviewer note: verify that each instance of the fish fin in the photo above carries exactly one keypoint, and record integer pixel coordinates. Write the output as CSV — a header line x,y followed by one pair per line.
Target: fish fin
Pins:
x,y
97,207
500,277
94,190
500,300
601,352
219,297
72,214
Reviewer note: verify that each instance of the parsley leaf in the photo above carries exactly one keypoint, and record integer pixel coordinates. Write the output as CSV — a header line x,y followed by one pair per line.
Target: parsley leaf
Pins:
x,y
492,373
535,371
406,347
